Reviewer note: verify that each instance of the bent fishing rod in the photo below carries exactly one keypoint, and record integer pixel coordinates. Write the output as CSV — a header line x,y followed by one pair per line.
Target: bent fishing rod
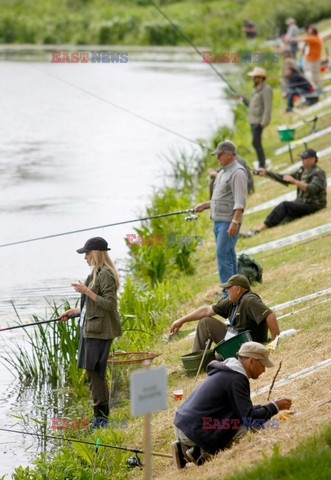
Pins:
x,y
73,440
188,40
45,237
24,325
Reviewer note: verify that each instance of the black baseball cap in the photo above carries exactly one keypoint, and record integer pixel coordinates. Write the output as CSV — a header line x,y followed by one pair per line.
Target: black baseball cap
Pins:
x,y
308,153
95,243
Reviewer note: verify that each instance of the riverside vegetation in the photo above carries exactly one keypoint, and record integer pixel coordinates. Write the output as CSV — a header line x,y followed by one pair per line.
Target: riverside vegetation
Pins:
x,y
165,282
136,22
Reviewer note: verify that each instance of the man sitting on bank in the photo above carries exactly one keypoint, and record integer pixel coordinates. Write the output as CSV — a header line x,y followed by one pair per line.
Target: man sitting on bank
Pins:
x,y
244,309
311,184
220,410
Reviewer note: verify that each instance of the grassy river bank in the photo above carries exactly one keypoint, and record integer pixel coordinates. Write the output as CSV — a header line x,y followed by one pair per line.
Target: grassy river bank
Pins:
x,y
166,282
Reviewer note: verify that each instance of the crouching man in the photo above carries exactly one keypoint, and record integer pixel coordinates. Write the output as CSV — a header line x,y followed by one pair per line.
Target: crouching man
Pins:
x,y
220,410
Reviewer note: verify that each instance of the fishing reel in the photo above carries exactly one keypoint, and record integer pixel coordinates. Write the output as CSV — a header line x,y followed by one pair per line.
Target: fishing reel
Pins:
x,y
191,217
134,461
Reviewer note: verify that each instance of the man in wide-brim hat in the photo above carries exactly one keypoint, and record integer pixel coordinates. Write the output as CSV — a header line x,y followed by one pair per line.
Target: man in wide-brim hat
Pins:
x,y
259,112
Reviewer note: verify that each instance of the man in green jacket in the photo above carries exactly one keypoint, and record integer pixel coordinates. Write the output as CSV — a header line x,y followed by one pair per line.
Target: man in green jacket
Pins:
x,y
311,184
244,309
259,112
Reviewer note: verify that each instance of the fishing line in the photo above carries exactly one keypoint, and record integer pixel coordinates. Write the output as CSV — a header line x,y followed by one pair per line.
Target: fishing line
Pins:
x,y
189,210
193,46
123,109
85,442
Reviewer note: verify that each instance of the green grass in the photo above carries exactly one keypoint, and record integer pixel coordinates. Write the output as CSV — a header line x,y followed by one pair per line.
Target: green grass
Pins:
x,y
311,460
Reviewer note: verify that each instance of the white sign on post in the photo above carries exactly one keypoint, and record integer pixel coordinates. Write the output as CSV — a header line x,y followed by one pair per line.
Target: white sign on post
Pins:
x,y
148,391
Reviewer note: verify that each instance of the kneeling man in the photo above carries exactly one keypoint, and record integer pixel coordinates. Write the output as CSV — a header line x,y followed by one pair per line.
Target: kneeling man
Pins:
x,y
220,409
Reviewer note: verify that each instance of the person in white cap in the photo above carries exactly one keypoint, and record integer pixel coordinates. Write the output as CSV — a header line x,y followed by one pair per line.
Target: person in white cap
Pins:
x,y
291,34
259,113
220,410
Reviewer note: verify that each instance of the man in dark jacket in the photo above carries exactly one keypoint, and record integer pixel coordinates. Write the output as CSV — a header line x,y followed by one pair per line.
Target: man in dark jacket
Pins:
x,y
311,184
244,309
220,409
297,85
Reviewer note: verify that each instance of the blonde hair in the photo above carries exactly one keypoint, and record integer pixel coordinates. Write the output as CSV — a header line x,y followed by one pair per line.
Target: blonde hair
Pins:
x,y
102,259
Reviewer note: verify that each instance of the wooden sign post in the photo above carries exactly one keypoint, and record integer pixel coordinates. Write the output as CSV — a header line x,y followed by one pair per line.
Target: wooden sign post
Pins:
x,y
148,393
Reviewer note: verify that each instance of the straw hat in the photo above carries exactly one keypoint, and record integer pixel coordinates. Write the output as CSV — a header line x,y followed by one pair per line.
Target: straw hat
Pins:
x,y
289,21
258,72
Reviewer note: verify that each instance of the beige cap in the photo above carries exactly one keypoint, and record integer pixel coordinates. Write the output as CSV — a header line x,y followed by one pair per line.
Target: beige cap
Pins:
x,y
256,350
225,146
289,20
258,72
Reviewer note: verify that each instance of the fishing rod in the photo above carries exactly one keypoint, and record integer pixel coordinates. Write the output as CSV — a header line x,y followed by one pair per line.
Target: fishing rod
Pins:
x,y
85,442
123,109
180,212
36,323
188,40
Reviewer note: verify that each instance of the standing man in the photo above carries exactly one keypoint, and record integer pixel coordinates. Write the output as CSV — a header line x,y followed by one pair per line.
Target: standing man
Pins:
x,y
220,410
313,55
311,184
227,204
259,112
291,35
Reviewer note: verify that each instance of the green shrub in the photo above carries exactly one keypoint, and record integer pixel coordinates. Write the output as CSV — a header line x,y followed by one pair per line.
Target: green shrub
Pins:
x,y
160,33
114,30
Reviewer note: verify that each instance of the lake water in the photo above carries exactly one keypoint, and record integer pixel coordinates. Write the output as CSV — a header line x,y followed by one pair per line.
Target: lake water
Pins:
x,y
70,161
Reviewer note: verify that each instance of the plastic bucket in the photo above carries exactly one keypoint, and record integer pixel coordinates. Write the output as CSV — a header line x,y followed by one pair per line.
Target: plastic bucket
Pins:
x,y
229,348
192,360
286,134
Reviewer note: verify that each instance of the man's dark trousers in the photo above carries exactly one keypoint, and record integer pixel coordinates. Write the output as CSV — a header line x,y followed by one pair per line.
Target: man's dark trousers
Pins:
x,y
257,143
288,211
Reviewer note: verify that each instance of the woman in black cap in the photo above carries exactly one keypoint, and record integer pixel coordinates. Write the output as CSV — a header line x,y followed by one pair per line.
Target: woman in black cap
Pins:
x,y
99,319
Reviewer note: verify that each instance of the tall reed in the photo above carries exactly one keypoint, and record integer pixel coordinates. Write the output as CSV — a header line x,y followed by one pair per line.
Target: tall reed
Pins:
x,y
48,353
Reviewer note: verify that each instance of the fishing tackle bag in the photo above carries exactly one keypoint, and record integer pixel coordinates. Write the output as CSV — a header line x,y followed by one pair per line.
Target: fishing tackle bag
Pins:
x,y
250,268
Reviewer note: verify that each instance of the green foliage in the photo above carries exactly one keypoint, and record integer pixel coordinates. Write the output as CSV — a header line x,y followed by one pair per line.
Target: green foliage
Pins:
x,y
80,462
311,461
160,33
114,30
169,242
147,312
213,23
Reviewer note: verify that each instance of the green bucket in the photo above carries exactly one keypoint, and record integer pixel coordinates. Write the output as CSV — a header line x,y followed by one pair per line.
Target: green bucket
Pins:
x,y
229,348
192,360
286,134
